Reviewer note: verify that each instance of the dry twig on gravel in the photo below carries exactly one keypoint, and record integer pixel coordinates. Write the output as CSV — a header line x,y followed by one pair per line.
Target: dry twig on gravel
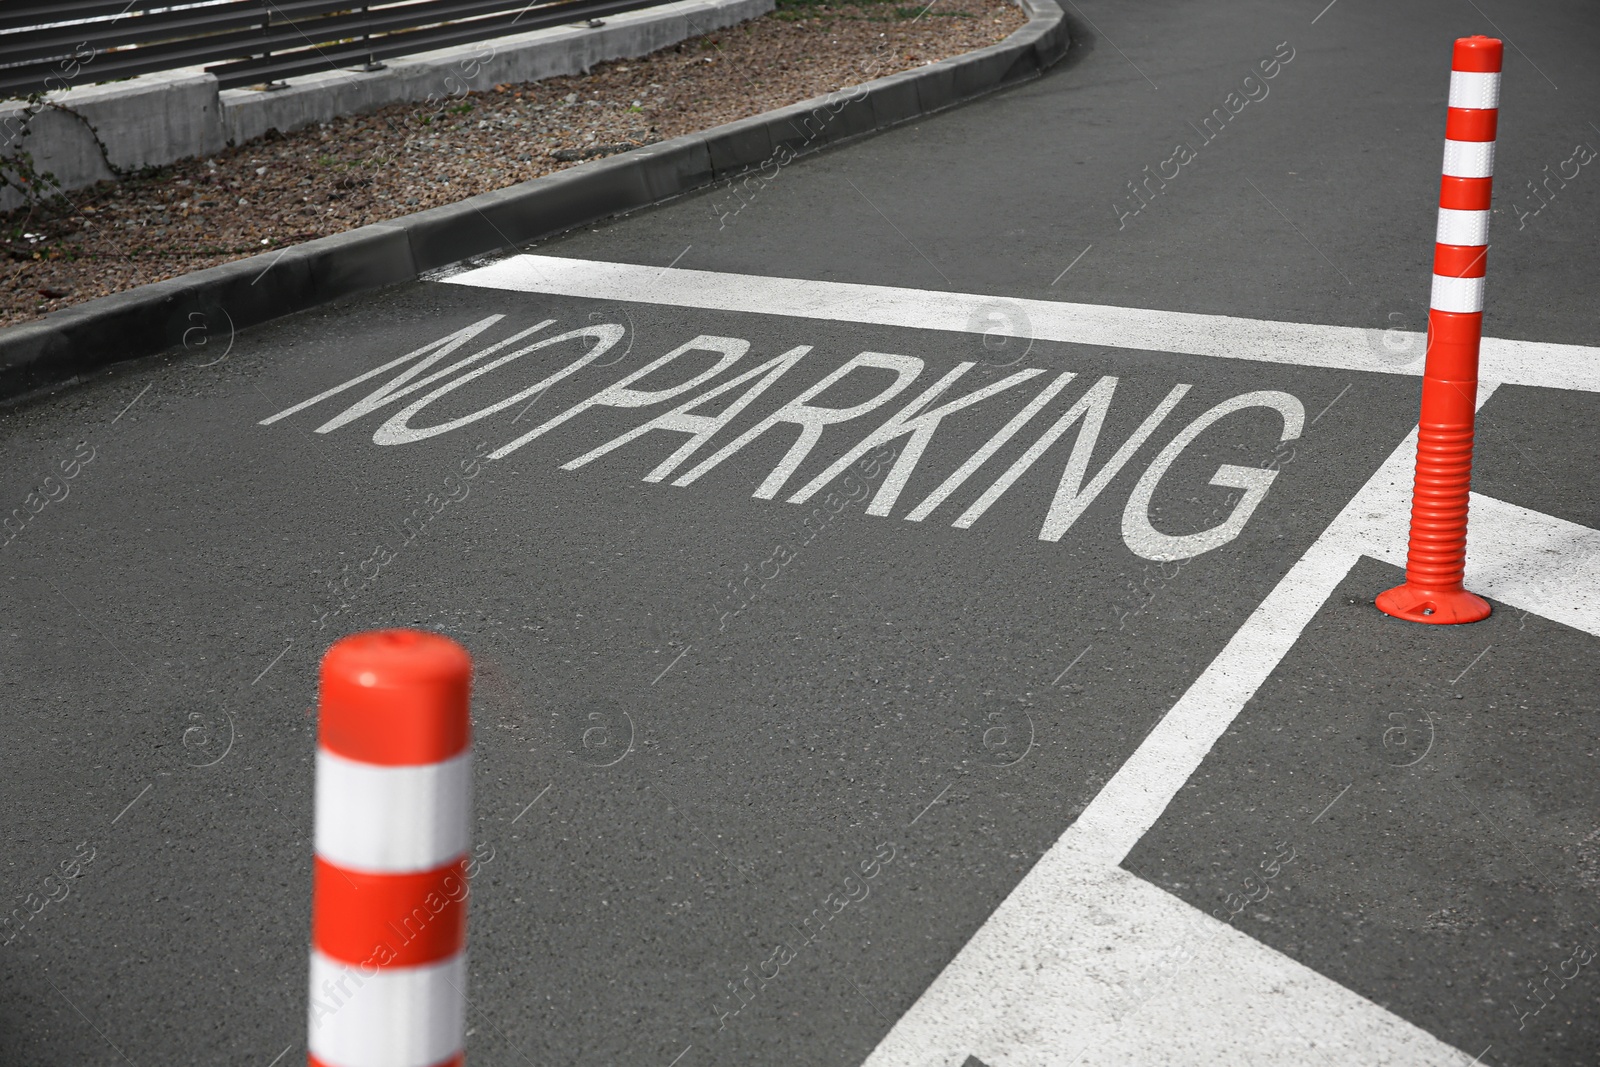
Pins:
x,y
284,189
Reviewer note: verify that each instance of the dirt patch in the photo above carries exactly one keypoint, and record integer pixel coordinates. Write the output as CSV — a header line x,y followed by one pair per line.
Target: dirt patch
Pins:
x,y
280,190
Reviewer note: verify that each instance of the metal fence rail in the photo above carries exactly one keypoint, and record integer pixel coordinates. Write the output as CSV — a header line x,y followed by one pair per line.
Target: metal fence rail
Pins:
x,y
60,43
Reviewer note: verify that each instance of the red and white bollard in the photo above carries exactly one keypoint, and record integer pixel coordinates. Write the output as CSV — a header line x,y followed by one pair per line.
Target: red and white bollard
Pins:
x,y
1436,557
393,818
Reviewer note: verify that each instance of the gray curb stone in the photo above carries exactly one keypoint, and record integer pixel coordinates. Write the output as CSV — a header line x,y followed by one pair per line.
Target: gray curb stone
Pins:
x,y
68,344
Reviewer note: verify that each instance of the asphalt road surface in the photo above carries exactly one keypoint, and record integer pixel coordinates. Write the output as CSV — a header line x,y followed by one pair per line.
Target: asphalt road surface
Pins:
x,y
1051,725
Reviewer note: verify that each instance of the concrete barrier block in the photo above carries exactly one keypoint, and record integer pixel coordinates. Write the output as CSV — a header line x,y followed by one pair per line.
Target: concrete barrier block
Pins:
x,y
621,37
59,144
142,122
539,208
1025,59
1046,34
199,312
822,120
1051,39
154,119
35,354
157,119
788,129
250,113
527,212
459,69
803,126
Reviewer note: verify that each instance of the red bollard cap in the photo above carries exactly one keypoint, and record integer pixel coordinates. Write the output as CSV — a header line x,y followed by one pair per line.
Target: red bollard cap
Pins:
x,y
1480,55
395,697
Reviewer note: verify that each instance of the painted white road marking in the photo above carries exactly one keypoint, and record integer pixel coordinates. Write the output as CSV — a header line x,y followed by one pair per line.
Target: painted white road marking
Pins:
x,y
919,421
1089,966
1139,792
959,476
916,421
1080,948
813,419
1141,536
702,428
1061,970
1522,558
622,394
1071,498
1533,561
1556,366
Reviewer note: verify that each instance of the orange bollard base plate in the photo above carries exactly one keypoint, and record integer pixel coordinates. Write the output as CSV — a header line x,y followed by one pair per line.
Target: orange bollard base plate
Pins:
x,y
1439,607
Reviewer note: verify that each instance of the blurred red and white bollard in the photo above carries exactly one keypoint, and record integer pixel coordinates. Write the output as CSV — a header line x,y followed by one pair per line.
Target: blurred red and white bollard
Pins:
x,y
393,818
1436,557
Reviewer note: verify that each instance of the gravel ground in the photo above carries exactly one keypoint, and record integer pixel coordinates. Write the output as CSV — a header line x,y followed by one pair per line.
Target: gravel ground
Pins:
x,y
284,189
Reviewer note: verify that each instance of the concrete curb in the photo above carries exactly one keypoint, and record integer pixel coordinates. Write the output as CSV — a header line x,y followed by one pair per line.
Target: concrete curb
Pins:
x,y
67,344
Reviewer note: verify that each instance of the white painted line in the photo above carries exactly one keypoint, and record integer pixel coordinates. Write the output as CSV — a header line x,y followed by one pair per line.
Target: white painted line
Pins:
x,y
1138,793
1058,973
1556,366
1533,561
1046,979
1091,965
1524,559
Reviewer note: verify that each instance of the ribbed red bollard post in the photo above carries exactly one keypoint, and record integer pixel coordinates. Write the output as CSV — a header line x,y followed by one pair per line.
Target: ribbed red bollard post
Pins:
x,y
389,887
1437,555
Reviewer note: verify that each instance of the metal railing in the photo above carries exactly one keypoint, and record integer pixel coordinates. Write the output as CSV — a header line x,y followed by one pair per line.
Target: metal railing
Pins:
x,y
60,43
